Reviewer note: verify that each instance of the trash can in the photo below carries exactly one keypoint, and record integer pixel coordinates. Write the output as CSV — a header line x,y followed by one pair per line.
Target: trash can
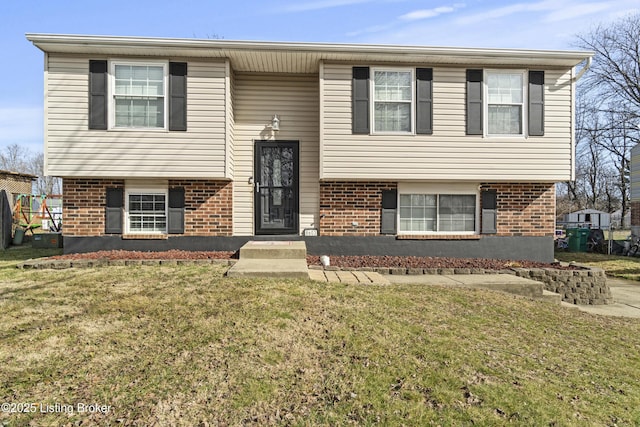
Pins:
x,y
578,238
18,236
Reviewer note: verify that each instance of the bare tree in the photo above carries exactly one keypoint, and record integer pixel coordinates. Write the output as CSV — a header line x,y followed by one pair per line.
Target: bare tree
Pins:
x,y
608,119
615,72
16,158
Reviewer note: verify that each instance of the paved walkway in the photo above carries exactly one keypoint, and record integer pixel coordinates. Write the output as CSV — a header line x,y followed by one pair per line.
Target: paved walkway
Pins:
x,y
626,293
349,277
626,300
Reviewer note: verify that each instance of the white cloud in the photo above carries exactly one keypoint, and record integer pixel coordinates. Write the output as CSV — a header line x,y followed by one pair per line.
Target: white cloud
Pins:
x,y
324,4
427,13
502,12
571,12
416,15
22,125
541,24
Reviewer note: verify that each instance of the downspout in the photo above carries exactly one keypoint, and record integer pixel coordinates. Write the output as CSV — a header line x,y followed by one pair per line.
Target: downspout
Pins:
x,y
584,70
573,103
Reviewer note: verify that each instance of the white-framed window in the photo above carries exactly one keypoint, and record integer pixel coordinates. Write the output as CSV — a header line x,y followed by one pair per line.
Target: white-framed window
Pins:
x,y
432,209
505,105
146,210
393,100
138,98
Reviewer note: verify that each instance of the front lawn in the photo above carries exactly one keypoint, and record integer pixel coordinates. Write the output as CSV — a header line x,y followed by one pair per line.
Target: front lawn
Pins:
x,y
615,266
183,345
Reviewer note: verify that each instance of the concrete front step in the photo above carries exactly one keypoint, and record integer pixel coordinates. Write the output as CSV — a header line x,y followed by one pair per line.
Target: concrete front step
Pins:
x,y
286,268
257,249
552,297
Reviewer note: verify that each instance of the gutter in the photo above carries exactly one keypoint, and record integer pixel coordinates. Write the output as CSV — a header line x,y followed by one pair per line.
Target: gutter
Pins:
x,y
583,70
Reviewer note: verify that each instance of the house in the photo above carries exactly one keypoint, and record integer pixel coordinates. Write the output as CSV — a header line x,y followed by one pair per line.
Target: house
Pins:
x,y
635,190
589,218
357,149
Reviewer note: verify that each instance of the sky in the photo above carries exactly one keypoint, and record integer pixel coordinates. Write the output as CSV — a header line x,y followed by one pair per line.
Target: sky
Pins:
x,y
538,24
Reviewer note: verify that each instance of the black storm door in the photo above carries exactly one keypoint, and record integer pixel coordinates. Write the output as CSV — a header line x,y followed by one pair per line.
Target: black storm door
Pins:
x,y
276,187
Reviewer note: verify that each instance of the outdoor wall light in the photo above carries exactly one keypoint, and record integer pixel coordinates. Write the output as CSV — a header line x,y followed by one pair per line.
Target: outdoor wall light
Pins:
x,y
275,123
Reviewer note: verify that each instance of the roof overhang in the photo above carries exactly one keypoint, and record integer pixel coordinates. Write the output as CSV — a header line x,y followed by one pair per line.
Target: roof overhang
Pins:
x,y
299,57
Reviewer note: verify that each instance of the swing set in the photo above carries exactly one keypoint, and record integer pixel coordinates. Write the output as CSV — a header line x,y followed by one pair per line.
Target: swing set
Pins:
x,y
30,211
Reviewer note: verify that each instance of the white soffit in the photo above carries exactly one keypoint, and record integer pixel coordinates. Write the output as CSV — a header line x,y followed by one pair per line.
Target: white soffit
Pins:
x,y
286,57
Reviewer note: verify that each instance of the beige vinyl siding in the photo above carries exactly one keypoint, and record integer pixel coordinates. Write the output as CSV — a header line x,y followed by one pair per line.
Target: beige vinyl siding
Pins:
x,y
449,154
72,150
294,98
229,96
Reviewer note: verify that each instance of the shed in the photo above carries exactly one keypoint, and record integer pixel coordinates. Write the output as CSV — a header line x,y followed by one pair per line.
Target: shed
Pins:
x,y
15,183
591,218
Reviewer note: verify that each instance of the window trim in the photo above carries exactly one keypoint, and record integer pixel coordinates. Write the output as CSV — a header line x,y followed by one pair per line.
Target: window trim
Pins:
x,y
525,105
146,190
111,94
463,189
372,106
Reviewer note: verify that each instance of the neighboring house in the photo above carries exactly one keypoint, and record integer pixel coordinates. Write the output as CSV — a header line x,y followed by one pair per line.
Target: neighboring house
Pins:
x,y
15,183
590,218
204,144
635,190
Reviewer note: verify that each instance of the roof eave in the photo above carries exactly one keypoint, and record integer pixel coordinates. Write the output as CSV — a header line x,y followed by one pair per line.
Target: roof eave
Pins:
x,y
63,43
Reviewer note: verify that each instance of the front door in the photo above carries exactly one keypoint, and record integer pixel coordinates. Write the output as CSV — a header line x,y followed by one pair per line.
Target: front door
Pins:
x,y
276,187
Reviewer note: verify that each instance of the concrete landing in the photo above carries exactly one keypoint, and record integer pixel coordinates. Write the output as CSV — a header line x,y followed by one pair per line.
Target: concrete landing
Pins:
x,y
257,249
272,259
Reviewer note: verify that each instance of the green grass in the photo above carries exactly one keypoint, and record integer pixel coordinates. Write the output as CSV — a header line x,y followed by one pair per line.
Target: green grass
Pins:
x,y
615,266
183,345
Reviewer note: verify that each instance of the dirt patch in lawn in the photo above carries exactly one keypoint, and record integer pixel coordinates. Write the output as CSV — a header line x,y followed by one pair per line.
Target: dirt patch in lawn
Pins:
x,y
336,261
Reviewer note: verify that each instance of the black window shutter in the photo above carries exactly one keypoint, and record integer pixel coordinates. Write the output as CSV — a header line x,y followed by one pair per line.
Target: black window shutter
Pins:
x,y
474,102
178,96
98,94
176,211
424,101
536,103
489,212
113,211
360,94
389,208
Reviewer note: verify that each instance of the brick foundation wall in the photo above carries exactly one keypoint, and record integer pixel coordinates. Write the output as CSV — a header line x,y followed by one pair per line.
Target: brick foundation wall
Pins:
x,y
342,203
83,205
635,213
525,209
208,206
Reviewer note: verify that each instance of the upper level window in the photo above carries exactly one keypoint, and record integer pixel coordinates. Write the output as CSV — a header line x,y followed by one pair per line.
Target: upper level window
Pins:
x,y
392,100
505,102
139,95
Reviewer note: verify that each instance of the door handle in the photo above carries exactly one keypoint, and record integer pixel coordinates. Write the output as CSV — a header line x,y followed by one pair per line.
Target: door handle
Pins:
x,y
257,186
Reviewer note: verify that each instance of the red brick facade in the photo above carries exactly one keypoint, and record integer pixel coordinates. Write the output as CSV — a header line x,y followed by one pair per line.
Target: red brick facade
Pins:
x,y
208,206
343,203
524,209
83,205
